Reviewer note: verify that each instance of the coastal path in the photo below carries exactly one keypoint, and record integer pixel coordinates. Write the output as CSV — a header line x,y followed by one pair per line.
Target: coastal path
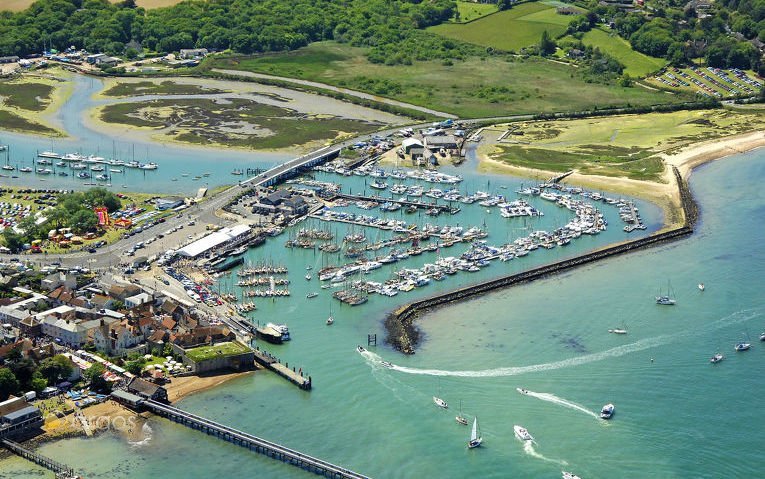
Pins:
x,y
262,446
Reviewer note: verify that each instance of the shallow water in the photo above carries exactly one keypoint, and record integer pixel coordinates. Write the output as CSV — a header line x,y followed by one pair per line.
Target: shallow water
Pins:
x,y
677,415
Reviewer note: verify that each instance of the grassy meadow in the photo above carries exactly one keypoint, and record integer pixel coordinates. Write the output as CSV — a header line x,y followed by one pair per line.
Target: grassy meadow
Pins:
x,y
477,87
617,146
636,64
510,30
471,11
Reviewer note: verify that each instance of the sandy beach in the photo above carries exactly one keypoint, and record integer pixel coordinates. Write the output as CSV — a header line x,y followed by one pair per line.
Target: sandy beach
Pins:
x,y
664,194
111,416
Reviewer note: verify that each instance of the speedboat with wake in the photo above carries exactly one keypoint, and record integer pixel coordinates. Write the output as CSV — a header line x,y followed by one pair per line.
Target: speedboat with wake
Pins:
x,y
359,349
386,364
522,391
570,475
607,411
522,433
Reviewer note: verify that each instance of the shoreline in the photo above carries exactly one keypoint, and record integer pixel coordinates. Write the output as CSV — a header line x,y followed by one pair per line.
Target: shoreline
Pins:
x,y
130,425
666,194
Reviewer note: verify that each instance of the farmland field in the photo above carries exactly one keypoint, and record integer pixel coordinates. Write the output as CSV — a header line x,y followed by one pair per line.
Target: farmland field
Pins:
x,y
635,63
510,30
478,87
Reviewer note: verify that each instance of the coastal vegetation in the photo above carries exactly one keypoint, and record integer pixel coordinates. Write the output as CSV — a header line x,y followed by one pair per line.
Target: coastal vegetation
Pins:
x,y
20,100
477,87
624,146
232,122
167,87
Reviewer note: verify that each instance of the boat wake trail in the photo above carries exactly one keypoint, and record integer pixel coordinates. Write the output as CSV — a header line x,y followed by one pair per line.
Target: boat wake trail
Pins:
x,y
642,345
562,402
528,448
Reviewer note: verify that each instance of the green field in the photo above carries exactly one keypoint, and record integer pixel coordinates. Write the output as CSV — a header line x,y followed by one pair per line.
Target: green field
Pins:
x,y
478,87
471,11
166,87
510,30
636,64
203,353
617,146
26,96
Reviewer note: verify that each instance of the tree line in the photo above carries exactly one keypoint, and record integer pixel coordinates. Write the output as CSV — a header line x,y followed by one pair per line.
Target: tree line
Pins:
x,y
390,28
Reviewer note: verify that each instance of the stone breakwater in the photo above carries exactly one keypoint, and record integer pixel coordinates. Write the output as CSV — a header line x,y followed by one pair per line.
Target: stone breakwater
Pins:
x,y
404,336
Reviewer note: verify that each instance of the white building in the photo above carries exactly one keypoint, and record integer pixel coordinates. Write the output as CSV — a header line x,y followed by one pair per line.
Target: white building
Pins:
x,y
213,240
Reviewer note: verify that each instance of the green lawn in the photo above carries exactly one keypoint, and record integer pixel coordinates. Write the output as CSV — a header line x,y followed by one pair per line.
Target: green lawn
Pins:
x,y
510,30
471,11
636,64
203,353
478,87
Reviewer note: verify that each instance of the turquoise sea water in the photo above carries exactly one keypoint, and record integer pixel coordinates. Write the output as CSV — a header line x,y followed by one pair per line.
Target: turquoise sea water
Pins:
x,y
677,416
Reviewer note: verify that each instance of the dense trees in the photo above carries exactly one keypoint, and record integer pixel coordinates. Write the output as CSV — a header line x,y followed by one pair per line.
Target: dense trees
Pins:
x,y
246,26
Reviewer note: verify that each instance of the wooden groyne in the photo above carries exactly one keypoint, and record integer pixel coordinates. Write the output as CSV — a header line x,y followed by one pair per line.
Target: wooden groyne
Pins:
x,y
272,363
61,470
402,334
253,443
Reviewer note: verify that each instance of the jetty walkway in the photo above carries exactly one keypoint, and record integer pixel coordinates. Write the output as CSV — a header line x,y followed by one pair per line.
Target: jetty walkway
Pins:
x,y
380,199
272,363
262,446
62,471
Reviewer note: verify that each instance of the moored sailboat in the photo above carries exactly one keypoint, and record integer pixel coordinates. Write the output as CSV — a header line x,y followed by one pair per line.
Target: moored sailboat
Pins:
x,y
460,418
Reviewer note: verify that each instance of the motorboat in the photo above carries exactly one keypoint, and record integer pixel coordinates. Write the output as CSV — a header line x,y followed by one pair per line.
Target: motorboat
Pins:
x,y
716,358
25,169
762,336
522,390
701,286
618,331
386,364
607,411
742,346
281,329
569,475
359,349
522,433
308,276
440,402
312,294
475,435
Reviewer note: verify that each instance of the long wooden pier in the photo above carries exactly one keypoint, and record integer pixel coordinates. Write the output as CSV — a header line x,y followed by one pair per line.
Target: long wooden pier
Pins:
x,y
272,363
61,470
262,446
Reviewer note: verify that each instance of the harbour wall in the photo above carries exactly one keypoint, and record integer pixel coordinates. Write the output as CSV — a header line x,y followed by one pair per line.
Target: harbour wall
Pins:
x,y
404,336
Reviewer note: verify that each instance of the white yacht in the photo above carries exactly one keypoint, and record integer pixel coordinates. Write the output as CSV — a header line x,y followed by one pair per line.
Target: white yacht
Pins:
x,y
522,433
607,411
